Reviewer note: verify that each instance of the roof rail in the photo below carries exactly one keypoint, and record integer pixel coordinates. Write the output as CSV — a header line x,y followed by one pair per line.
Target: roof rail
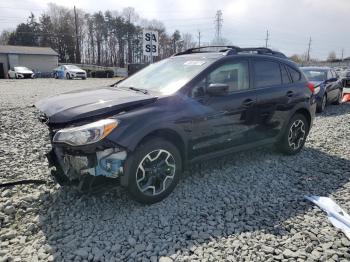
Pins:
x,y
263,51
193,50
233,50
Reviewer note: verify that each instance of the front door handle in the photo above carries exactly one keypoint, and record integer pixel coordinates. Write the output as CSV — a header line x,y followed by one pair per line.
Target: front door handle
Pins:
x,y
290,93
248,103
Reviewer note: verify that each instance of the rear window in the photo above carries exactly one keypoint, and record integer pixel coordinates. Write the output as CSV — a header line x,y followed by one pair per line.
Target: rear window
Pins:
x,y
267,73
295,74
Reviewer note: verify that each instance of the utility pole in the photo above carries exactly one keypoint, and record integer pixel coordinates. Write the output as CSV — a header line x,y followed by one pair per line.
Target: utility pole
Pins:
x,y
199,38
342,55
308,50
218,26
267,38
77,49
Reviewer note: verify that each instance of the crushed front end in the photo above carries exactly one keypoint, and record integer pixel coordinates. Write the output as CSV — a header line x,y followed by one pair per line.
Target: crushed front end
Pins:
x,y
87,170
82,155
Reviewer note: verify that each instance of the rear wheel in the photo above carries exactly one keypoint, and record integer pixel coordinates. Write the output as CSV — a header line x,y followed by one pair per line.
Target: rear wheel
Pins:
x,y
153,170
320,108
295,135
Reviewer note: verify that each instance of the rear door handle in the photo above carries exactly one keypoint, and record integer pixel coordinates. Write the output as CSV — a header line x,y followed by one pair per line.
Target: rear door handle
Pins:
x,y
290,93
248,103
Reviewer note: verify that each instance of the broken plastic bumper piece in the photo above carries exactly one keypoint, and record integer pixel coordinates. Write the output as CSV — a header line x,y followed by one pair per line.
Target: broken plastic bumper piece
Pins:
x,y
75,165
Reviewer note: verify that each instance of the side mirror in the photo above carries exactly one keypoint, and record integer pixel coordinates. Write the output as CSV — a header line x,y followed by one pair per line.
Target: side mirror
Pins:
x,y
218,89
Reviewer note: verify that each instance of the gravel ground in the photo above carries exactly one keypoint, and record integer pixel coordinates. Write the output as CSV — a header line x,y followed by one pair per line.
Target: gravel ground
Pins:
x,y
245,207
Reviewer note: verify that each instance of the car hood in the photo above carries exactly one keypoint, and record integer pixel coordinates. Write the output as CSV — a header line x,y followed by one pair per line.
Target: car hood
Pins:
x,y
76,70
79,105
24,72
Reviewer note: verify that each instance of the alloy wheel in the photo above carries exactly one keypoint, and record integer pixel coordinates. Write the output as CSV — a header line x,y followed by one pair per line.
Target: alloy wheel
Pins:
x,y
296,134
155,172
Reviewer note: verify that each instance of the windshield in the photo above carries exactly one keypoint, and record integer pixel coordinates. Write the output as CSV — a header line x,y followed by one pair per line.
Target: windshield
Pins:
x,y
315,75
168,75
72,67
21,68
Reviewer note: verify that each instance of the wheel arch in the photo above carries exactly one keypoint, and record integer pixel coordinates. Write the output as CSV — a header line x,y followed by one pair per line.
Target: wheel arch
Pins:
x,y
168,135
306,113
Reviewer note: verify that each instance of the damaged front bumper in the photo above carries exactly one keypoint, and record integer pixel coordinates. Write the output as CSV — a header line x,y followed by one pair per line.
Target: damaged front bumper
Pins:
x,y
88,171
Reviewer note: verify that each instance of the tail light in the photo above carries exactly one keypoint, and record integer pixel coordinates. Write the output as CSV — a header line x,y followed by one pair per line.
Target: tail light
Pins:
x,y
311,87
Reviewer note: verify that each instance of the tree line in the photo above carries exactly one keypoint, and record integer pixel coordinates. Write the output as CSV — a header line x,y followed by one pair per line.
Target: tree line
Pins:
x,y
108,38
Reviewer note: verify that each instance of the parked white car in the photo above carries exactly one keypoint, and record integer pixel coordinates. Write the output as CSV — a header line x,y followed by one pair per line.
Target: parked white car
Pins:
x,y
69,72
20,72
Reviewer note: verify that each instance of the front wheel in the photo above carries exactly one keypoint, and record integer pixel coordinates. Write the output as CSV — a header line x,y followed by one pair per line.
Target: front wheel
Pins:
x,y
294,137
153,170
68,76
320,108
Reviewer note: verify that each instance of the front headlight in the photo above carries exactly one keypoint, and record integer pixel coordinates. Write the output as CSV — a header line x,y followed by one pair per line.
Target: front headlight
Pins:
x,y
86,134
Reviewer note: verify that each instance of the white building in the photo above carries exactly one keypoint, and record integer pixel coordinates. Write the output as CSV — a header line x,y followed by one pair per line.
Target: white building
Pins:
x,y
42,59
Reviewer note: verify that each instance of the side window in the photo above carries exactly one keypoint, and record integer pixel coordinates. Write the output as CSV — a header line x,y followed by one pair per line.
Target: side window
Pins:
x,y
267,73
234,74
285,76
296,76
329,74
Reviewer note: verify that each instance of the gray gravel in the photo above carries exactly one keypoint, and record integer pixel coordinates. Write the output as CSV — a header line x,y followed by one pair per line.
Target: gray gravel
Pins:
x,y
245,207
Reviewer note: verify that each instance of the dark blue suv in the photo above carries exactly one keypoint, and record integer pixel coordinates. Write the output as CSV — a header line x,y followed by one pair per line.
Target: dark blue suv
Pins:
x,y
205,102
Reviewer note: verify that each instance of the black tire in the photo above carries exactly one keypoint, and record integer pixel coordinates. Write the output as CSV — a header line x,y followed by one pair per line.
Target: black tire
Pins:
x,y
152,172
84,78
321,108
55,76
339,98
16,76
68,76
292,143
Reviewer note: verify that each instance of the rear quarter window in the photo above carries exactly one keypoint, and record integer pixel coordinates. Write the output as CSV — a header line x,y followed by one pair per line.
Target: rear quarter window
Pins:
x,y
266,73
295,74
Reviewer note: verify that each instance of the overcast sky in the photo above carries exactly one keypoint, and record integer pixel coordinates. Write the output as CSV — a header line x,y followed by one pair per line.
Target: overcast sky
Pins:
x,y
290,22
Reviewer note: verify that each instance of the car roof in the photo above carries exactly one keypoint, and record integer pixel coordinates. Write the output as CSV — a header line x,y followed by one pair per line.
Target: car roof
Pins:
x,y
223,55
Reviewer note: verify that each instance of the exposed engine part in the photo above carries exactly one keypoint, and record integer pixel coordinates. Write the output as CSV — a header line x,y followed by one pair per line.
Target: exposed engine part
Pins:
x,y
107,163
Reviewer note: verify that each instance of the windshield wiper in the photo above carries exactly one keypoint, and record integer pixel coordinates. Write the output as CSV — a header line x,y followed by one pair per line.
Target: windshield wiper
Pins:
x,y
144,91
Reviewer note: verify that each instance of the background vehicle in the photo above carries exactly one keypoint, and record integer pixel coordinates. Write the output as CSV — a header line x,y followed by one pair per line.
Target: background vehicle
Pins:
x,y
20,72
198,104
328,84
69,72
345,78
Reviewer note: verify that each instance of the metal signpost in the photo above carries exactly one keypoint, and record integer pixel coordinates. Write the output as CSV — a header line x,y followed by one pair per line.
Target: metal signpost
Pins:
x,y
150,43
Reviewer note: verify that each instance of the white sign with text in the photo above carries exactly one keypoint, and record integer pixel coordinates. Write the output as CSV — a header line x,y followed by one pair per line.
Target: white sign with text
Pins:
x,y
150,43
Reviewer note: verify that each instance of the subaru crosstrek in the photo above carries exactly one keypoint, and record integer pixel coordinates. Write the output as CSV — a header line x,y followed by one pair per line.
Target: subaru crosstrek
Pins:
x,y
143,131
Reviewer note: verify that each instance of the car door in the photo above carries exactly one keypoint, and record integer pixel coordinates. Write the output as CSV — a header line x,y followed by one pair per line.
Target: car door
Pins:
x,y
276,95
331,87
222,121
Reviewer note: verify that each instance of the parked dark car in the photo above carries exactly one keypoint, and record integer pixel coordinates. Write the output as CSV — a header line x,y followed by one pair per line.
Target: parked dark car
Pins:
x,y
329,87
144,131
